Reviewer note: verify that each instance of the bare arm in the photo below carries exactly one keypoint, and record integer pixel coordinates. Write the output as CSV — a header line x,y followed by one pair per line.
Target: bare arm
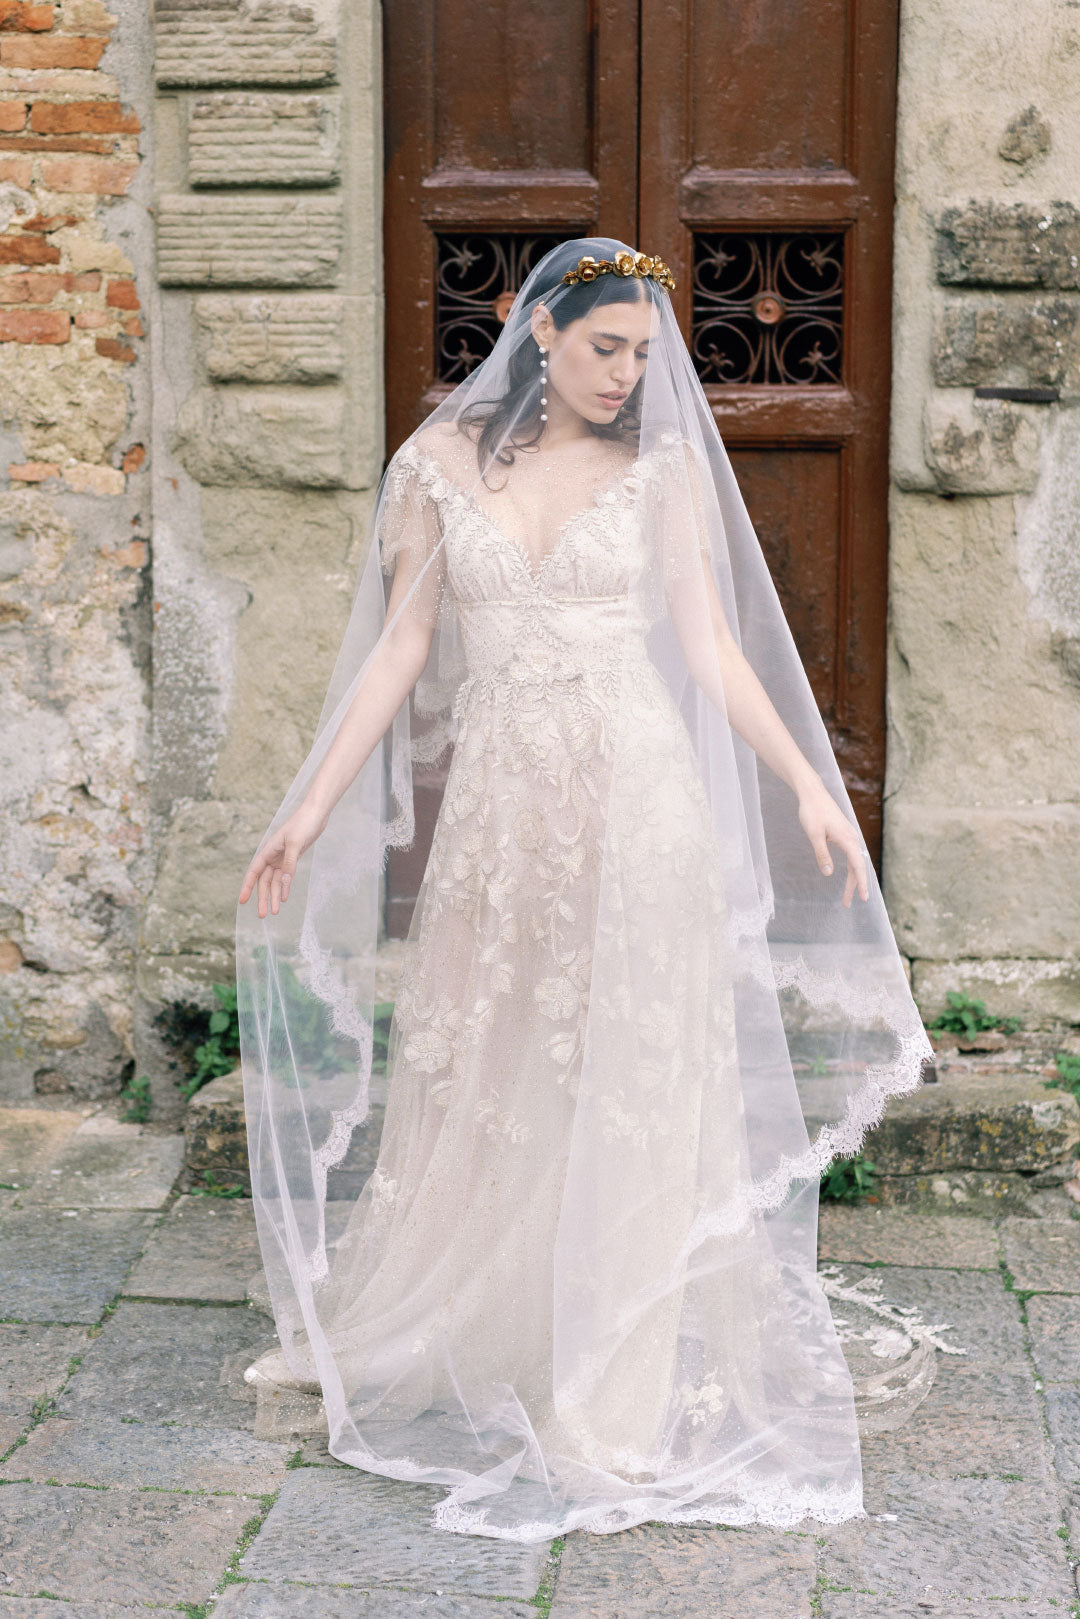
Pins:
x,y
395,667
727,679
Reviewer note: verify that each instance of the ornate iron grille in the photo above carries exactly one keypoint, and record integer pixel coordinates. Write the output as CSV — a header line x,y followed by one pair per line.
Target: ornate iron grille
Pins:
x,y
476,278
768,308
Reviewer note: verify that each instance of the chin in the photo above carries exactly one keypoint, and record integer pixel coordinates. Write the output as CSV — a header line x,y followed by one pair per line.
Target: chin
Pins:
x,y
597,416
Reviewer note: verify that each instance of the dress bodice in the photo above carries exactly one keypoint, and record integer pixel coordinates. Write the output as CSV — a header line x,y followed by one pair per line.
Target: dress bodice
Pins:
x,y
576,610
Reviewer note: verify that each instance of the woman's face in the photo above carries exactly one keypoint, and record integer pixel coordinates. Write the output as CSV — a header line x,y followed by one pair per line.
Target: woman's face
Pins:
x,y
594,363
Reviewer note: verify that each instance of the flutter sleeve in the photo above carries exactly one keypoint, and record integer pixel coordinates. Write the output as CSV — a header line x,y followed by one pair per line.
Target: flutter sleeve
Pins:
x,y
408,517
683,516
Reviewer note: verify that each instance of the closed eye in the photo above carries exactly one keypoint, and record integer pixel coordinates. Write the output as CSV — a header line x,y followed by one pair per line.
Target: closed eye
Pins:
x,y
599,350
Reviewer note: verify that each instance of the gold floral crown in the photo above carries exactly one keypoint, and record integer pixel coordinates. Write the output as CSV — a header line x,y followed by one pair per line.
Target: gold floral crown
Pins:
x,y
624,263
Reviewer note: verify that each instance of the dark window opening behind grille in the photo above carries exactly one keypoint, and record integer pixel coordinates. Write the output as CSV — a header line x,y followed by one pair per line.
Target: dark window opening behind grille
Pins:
x,y
473,273
768,307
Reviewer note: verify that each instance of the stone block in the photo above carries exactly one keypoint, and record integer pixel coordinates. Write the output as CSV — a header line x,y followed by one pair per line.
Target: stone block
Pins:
x,y
30,1137
658,1569
171,1363
970,1192
1041,992
981,446
953,1540
116,1546
107,1164
215,1132
66,1265
985,1424
326,1602
861,1605
249,240
1063,1418
1014,341
1009,245
875,1236
141,1455
245,42
961,879
30,1608
994,1122
272,338
206,1248
1042,1255
34,1361
275,437
976,1311
374,1531
1054,1324
241,138
216,1135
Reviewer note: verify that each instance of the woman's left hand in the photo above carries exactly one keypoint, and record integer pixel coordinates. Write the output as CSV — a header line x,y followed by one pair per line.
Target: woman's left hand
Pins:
x,y
823,821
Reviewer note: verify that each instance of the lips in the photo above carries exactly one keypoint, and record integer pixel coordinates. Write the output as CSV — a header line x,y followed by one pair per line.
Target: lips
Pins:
x,y
613,400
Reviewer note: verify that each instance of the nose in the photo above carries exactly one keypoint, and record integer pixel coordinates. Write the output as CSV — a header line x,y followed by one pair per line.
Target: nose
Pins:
x,y
622,371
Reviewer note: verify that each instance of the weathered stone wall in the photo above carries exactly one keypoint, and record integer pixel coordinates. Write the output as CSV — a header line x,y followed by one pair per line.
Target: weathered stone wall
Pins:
x,y
75,612
982,832
267,439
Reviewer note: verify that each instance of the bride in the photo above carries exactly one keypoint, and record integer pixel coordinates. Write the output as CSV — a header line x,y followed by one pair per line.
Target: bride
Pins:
x,y
649,990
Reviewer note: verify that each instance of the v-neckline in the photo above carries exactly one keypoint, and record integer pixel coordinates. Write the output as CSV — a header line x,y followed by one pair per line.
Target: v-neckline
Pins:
x,y
535,577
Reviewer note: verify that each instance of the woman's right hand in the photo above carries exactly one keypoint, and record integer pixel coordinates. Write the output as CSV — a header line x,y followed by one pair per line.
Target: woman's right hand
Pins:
x,y
274,866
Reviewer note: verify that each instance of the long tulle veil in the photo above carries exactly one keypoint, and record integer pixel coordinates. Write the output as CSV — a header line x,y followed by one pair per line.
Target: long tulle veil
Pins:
x,y
726,1030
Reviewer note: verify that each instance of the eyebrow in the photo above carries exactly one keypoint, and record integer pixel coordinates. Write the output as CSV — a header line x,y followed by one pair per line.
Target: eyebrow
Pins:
x,y
613,337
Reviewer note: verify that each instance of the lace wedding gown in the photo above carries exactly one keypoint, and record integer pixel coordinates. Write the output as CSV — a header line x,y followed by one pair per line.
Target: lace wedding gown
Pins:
x,y
472,1347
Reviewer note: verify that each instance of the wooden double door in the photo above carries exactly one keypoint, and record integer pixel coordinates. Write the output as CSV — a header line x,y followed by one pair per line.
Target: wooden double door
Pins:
x,y
748,142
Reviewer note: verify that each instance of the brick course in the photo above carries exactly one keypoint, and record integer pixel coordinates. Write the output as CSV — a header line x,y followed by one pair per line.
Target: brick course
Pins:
x,y
68,117
41,51
34,326
19,15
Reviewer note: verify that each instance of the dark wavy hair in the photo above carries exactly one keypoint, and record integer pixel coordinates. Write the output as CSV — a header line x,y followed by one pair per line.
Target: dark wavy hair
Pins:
x,y
521,401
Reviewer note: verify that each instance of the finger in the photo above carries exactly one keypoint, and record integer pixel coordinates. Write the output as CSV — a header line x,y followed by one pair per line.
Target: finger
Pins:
x,y
250,878
289,862
264,889
821,852
857,869
856,866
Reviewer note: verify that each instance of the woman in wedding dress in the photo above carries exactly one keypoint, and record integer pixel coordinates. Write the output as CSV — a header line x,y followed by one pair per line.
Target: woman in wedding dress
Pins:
x,y
649,991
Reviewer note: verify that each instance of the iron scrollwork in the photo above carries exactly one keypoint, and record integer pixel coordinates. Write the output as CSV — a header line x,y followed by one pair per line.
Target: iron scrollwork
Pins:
x,y
476,277
768,308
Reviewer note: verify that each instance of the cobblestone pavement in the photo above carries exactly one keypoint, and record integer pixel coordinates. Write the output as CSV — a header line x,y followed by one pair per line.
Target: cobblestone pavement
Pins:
x,y
132,1480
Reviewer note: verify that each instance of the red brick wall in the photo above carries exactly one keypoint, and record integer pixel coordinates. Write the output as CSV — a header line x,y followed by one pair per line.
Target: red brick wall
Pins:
x,y
67,146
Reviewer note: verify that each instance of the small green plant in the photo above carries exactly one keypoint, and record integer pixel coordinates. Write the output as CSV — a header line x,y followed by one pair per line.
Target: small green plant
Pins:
x,y
137,1095
212,1187
1068,1073
848,1180
382,1012
968,1018
219,1052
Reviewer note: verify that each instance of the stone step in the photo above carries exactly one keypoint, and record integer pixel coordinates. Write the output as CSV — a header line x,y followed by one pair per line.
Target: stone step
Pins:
x,y
215,1135
978,1141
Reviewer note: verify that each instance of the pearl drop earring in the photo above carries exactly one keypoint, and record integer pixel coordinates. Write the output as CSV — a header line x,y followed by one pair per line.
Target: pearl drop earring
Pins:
x,y
543,383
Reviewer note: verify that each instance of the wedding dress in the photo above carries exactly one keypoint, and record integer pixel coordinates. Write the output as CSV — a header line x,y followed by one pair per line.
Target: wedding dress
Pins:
x,y
579,1287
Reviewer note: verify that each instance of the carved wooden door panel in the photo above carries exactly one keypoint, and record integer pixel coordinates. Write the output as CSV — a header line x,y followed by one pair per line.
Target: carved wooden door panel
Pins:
x,y
750,142
767,137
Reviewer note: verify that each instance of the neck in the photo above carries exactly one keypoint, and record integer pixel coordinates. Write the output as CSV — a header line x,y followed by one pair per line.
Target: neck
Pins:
x,y
563,425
